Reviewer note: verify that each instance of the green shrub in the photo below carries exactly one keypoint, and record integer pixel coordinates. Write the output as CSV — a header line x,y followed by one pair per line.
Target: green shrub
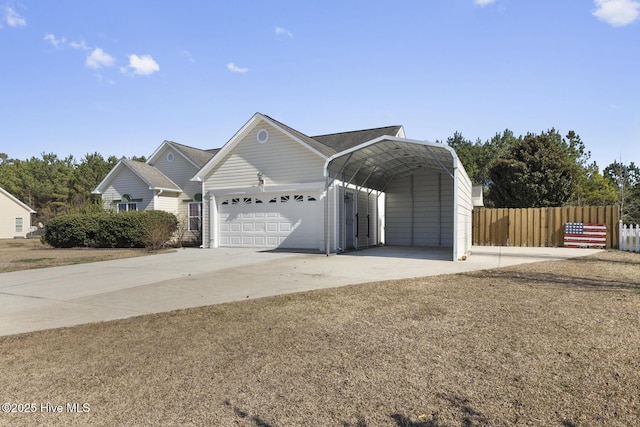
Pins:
x,y
150,229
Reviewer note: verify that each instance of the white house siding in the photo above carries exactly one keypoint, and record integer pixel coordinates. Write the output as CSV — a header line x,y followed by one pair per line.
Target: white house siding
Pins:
x,y
465,213
126,182
9,211
419,210
180,171
169,203
281,160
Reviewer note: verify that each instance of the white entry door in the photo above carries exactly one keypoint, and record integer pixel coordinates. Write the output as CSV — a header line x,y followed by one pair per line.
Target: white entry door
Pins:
x,y
283,220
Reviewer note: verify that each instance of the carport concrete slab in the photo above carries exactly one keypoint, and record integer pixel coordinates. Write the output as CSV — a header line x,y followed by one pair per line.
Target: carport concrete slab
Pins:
x,y
71,295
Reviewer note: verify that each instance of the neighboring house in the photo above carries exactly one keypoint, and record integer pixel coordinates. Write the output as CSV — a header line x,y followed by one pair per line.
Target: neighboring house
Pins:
x,y
271,186
162,183
15,216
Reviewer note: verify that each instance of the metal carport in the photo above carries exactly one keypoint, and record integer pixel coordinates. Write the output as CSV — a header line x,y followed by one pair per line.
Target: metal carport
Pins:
x,y
422,180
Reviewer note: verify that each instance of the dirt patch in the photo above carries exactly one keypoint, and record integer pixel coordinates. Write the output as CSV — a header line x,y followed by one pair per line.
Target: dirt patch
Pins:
x,y
26,254
550,343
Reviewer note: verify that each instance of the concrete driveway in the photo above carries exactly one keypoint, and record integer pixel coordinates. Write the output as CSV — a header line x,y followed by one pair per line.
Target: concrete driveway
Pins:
x,y
72,295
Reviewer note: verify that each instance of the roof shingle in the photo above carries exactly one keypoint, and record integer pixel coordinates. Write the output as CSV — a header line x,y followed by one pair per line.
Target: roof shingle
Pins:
x,y
344,140
196,155
152,175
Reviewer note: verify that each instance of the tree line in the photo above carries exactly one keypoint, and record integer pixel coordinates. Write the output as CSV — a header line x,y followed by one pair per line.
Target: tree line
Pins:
x,y
534,170
52,185
546,170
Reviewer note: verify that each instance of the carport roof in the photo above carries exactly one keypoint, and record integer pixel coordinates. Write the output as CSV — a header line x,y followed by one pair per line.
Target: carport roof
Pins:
x,y
376,163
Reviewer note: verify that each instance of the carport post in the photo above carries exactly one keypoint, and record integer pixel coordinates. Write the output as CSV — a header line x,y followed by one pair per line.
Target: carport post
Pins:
x,y
327,220
329,179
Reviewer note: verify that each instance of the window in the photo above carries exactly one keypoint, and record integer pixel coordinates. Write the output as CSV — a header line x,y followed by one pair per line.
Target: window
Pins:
x,y
284,199
19,225
298,198
311,199
127,207
247,200
195,216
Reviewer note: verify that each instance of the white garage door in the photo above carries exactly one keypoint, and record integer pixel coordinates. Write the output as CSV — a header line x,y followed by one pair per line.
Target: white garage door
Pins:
x,y
292,220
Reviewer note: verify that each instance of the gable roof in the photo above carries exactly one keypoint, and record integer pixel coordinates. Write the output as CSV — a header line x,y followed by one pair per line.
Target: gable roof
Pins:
x,y
312,142
150,175
195,156
16,201
344,140
323,145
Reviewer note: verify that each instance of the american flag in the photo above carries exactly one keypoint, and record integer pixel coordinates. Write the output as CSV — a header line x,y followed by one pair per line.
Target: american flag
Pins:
x,y
581,235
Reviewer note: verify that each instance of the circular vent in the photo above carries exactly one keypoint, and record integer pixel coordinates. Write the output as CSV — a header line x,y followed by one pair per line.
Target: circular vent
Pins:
x,y
170,157
262,136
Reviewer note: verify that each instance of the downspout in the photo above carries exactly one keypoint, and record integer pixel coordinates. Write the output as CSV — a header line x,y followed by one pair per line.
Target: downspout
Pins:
x,y
440,209
412,212
327,220
336,216
156,200
456,210
378,221
368,217
344,215
356,219
213,212
203,213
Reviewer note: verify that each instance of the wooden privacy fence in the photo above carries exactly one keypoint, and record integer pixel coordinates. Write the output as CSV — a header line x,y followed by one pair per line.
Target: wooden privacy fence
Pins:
x,y
539,226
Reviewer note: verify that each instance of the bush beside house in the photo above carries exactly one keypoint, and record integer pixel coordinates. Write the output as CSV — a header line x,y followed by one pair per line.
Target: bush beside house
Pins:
x,y
150,229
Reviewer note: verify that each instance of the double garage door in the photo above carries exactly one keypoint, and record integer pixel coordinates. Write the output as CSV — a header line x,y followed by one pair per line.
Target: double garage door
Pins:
x,y
283,220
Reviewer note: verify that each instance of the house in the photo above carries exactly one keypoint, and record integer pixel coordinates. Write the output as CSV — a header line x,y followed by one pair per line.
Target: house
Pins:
x,y
15,216
271,186
162,183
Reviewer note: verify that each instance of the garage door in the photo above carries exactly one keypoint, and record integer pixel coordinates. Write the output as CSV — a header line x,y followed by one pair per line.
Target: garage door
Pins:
x,y
291,220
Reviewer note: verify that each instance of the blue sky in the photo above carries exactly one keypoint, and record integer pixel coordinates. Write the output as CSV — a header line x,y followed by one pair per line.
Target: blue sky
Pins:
x,y
119,77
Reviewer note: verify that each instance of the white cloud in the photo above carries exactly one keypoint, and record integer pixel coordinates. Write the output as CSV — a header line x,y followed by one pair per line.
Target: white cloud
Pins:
x,y
143,65
99,59
235,69
13,18
55,42
282,32
483,3
617,13
81,45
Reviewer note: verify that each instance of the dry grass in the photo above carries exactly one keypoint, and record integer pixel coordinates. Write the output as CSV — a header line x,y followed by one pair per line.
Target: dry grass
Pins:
x,y
26,254
544,344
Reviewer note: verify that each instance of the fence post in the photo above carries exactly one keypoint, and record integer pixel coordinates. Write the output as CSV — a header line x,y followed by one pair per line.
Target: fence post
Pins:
x,y
621,236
